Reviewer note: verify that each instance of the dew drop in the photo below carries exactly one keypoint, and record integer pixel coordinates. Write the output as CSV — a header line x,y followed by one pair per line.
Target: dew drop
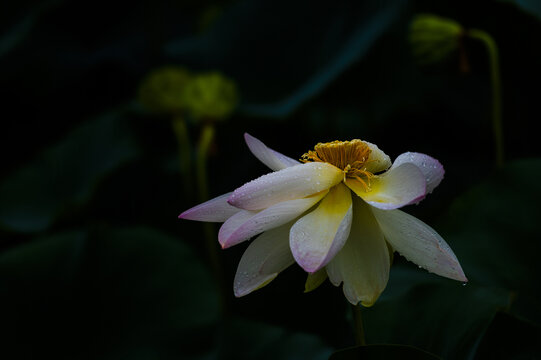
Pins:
x,y
464,284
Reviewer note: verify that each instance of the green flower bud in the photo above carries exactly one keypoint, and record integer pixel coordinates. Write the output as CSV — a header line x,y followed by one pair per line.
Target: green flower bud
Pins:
x,y
162,89
210,96
434,38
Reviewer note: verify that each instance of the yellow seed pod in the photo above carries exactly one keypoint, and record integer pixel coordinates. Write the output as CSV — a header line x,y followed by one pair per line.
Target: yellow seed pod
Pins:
x,y
162,89
433,38
211,96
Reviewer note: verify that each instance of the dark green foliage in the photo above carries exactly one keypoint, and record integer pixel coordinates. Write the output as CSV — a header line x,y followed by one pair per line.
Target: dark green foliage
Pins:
x,y
63,177
382,352
337,36
530,6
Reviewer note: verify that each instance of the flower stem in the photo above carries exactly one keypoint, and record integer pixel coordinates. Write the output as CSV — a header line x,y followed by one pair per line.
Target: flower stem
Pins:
x,y
359,328
184,151
497,127
206,140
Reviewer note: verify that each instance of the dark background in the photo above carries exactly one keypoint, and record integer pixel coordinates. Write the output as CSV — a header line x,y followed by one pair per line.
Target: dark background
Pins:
x,y
94,263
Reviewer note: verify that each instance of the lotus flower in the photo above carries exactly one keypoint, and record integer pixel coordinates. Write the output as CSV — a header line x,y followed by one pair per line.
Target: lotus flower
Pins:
x,y
335,214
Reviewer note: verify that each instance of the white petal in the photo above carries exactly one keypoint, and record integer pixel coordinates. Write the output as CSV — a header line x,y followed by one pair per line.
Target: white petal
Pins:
x,y
378,161
215,210
267,156
294,182
395,188
419,243
318,236
232,224
266,256
264,220
363,263
430,167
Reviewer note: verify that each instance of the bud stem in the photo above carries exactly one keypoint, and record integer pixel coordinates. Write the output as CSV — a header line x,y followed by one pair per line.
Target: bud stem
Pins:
x,y
184,151
206,140
497,127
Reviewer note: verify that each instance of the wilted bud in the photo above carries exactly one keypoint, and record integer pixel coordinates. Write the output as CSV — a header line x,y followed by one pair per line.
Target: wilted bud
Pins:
x,y
210,96
434,38
162,90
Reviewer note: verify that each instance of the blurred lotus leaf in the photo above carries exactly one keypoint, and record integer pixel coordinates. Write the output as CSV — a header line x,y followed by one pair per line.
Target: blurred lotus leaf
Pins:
x,y
532,7
162,89
433,38
246,339
383,351
145,295
20,31
434,314
278,61
62,178
210,96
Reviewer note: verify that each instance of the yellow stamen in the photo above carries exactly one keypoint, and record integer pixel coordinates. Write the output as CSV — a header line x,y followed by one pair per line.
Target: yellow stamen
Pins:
x,y
349,156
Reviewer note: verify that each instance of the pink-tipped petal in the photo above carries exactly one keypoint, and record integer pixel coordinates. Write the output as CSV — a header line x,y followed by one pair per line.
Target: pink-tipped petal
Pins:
x,y
215,210
318,236
273,159
363,263
266,256
231,225
291,183
397,187
419,243
430,167
269,218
